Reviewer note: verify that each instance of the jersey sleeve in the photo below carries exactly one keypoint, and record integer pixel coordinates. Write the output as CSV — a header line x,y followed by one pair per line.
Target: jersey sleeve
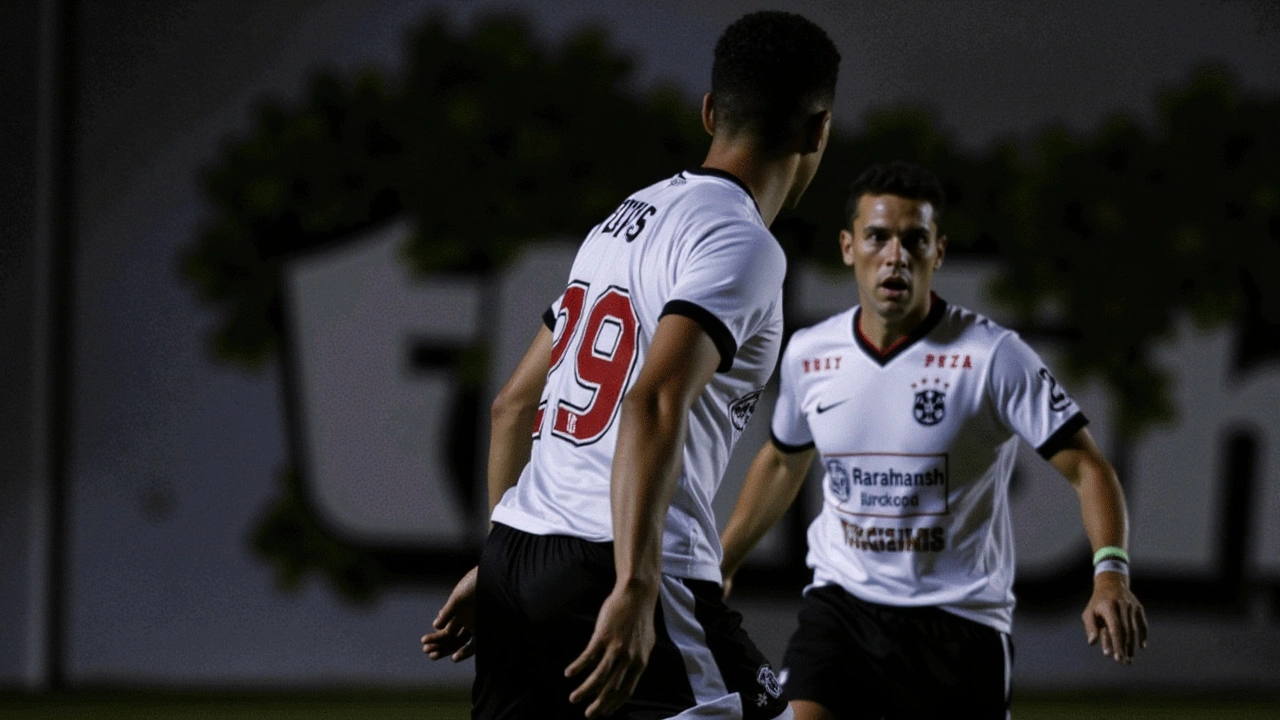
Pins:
x,y
789,428
1029,400
728,282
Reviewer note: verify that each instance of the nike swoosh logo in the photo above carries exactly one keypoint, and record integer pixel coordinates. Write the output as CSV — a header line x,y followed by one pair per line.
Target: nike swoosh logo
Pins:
x,y
822,409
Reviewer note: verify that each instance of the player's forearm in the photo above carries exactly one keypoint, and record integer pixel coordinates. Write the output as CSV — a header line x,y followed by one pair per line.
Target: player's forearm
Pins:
x,y
510,443
1106,521
646,468
772,484
1102,506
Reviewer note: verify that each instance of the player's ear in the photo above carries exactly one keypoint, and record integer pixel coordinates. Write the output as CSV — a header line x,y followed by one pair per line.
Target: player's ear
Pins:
x,y
817,130
708,114
846,247
942,251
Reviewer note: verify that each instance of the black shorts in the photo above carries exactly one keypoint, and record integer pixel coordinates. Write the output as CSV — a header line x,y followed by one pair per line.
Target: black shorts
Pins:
x,y
863,660
537,598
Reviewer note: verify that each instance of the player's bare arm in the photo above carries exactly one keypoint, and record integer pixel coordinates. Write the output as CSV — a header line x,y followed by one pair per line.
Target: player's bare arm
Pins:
x,y
512,416
511,421
1113,616
646,466
772,483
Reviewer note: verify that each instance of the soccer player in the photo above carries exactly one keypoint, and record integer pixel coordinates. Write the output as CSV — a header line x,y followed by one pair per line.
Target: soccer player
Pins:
x,y
915,407
598,589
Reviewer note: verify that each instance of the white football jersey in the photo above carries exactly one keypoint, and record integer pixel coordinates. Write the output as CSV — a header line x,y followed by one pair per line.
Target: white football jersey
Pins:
x,y
692,245
918,444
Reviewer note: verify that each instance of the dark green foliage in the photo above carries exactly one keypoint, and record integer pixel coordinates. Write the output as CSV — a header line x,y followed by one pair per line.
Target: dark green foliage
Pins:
x,y
1126,230
292,538
507,142
979,188
306,177
487,141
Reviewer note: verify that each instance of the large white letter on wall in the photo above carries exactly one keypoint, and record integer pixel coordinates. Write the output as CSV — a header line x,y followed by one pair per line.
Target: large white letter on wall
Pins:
x,y
373,426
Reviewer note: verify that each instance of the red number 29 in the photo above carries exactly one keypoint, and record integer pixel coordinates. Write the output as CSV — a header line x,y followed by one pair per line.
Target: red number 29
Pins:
x,y
603,363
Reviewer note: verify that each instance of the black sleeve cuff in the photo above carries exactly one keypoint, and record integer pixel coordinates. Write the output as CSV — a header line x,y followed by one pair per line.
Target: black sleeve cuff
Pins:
x,y
717,331
786,448
1059,438
549,319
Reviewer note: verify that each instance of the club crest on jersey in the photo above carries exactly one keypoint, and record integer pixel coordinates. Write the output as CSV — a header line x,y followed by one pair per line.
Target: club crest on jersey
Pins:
x,y
768,680
839,479
741,410
930,405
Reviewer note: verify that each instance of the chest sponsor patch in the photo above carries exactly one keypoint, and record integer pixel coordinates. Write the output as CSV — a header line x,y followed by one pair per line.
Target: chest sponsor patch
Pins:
x,y
889,485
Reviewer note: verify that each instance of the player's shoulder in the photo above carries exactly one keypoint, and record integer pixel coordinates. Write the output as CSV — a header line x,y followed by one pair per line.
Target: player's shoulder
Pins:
x,y
713,199
716,215
961,324
709,182
836,331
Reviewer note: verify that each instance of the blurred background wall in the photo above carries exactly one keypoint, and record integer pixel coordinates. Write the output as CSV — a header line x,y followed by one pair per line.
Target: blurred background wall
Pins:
x,y
265,264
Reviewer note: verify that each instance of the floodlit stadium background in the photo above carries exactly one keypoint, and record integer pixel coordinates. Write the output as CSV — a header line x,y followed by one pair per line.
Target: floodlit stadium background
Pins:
x,y
259,285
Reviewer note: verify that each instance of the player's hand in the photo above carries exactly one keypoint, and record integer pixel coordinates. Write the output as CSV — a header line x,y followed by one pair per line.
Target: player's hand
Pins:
x,y
1115,617
455,623
617,653
726,586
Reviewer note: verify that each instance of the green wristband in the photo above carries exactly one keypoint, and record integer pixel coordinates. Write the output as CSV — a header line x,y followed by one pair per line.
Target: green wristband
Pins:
x,y
1110,551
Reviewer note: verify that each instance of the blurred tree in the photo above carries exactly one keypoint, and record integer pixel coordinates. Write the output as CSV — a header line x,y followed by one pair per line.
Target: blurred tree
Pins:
x,y
488,140
519,144
980,188
1121,233
291,538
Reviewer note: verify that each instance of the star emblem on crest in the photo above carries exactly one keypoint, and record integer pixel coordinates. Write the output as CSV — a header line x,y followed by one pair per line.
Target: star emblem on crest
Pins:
x,y
929,405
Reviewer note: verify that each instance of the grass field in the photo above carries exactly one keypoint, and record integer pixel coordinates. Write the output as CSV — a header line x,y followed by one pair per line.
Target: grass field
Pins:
x,y
381,705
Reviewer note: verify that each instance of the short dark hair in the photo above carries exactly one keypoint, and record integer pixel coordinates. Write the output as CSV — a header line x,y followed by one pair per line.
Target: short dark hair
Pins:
x,y
904,179
771,69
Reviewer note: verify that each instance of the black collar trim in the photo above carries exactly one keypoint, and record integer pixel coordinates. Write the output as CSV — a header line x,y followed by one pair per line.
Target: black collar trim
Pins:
x,y
724,175
882,357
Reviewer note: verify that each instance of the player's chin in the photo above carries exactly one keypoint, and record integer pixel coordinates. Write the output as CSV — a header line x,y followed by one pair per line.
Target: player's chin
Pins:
x,y
892,307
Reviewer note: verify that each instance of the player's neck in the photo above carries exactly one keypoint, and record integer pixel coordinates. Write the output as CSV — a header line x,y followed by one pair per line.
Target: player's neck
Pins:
x,y
884,333
769,177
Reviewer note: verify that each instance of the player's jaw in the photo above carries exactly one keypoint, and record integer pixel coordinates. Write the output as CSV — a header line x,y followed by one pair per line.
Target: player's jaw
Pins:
x,y
810,157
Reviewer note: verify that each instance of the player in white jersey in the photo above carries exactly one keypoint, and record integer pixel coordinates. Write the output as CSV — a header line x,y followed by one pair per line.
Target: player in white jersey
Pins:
x,y
598,591
915,407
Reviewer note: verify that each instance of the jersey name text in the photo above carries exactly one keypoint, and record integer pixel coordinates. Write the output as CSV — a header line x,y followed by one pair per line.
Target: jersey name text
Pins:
x,y
948,361
818,364
628,220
